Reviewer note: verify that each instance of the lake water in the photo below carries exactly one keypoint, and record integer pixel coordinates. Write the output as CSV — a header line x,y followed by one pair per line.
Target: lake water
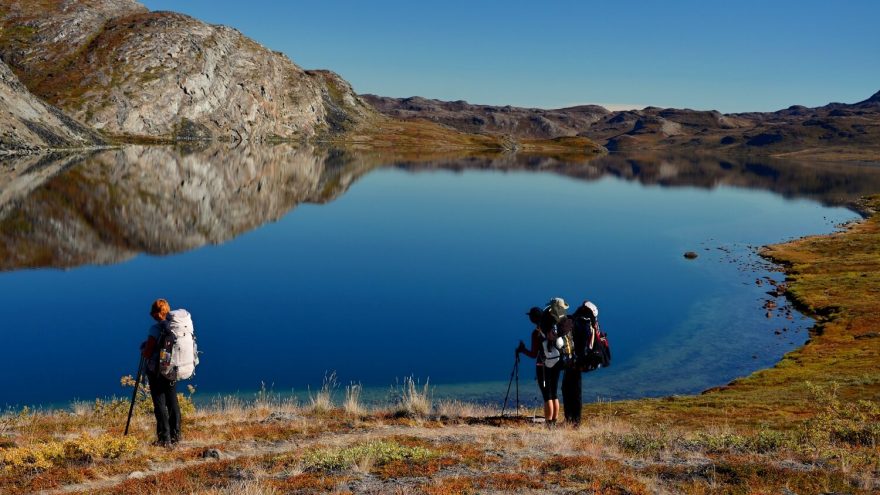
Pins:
x,y
298,262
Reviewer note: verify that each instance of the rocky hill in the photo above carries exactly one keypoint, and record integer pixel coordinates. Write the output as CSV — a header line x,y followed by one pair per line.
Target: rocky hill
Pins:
x,y
129,72
27,123
837,130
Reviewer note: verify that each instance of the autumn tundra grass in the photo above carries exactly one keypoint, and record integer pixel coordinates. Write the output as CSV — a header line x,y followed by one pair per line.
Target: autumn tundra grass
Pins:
x,y
807,425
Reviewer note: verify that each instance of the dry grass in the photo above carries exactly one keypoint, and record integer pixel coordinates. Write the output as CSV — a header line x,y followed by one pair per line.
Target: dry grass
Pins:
x,y
322,401
455,409
291,450
413,399
352,402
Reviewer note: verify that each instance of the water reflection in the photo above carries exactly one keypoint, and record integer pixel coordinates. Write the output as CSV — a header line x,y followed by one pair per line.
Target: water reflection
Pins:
x,y
69,210
114,204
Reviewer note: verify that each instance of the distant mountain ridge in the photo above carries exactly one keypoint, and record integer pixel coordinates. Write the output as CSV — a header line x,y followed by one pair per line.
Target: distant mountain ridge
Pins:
x,y
117,72
848,128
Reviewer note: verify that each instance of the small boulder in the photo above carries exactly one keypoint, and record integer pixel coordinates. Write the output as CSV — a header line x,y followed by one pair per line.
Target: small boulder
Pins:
x,y
136,475
690,255
215,454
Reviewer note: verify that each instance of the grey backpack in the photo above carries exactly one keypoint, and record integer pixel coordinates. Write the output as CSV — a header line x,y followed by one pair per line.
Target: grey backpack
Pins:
x,y
178,353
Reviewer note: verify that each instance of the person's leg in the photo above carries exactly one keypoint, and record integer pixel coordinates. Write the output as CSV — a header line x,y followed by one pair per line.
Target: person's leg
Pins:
x,y
158,385
553,386
173,412
572,396
577,397
541,377
566,394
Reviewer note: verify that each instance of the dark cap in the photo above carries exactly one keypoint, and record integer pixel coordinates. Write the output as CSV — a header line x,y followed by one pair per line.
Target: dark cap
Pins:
x,y
535,315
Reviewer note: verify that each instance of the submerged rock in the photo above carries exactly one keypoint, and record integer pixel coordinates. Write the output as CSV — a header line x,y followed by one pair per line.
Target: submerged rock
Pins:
x,y
690,255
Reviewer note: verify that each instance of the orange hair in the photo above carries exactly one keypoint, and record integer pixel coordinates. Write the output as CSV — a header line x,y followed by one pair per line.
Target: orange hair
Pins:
x,y
161,308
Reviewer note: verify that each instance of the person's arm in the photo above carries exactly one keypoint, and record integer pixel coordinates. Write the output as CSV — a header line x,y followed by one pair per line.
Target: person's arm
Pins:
x,y
149,345
536,346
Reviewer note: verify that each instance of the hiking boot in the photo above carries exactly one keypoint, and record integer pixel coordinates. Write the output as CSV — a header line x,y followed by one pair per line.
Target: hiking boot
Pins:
x,y
162,443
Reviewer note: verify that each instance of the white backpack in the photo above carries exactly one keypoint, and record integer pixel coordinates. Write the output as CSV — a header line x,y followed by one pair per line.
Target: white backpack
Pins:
x,y
178,353
550,351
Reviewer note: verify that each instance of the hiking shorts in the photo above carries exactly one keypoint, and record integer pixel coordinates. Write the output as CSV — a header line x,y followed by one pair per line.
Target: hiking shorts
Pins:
x,y
548,381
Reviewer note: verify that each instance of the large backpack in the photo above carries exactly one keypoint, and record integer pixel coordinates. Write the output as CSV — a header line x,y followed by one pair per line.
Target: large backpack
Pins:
x,y
591,344
565,342
178,353
548,355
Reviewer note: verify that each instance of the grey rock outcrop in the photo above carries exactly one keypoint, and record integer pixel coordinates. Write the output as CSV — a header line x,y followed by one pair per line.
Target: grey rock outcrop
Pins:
x,y
26,123
129,72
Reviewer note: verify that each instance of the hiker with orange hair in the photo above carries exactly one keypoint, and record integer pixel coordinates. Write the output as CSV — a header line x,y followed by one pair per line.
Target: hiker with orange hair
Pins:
x,y
162,390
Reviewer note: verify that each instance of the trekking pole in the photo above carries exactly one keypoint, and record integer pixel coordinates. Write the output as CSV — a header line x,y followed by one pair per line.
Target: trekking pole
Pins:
x,y
516,368
137,383
509,383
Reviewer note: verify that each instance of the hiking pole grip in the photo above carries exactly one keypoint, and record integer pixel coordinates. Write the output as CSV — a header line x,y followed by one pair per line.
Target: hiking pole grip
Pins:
x,y
137,383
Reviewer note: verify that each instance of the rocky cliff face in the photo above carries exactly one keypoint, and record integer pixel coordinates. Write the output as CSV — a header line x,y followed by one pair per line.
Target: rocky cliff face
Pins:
x,y
27,123
129,72
846,128
114,204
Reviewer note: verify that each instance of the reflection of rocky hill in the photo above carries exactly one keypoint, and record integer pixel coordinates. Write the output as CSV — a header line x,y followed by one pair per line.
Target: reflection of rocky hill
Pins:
x,y
159,201
107,207
847,131
829,183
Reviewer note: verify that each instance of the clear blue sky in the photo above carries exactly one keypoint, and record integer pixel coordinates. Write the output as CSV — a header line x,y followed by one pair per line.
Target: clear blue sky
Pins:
x,y
730,56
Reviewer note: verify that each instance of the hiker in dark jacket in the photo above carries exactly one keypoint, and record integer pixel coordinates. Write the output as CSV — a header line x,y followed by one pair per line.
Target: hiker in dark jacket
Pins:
x,y
584,318
547,362
162,390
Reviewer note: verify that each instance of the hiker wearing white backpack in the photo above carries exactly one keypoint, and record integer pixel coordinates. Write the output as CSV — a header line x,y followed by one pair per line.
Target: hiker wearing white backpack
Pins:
x,y
545,350
171,355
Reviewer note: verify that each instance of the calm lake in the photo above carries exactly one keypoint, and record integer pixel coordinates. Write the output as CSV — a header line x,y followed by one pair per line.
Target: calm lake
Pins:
x,y
297,262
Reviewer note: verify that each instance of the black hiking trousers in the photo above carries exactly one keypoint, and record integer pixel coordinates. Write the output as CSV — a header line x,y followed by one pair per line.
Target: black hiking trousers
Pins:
x,y
166,408
572,396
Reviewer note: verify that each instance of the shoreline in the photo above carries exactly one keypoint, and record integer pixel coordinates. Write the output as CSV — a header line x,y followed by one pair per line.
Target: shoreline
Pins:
x,y
767,433
778,395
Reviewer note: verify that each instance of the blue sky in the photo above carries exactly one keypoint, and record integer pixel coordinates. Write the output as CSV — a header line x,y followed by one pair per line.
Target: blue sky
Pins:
x,y
731,56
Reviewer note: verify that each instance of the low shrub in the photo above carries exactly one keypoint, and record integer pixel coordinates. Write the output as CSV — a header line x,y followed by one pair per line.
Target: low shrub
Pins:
x,y
839,421
642,442
375,453
84,449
